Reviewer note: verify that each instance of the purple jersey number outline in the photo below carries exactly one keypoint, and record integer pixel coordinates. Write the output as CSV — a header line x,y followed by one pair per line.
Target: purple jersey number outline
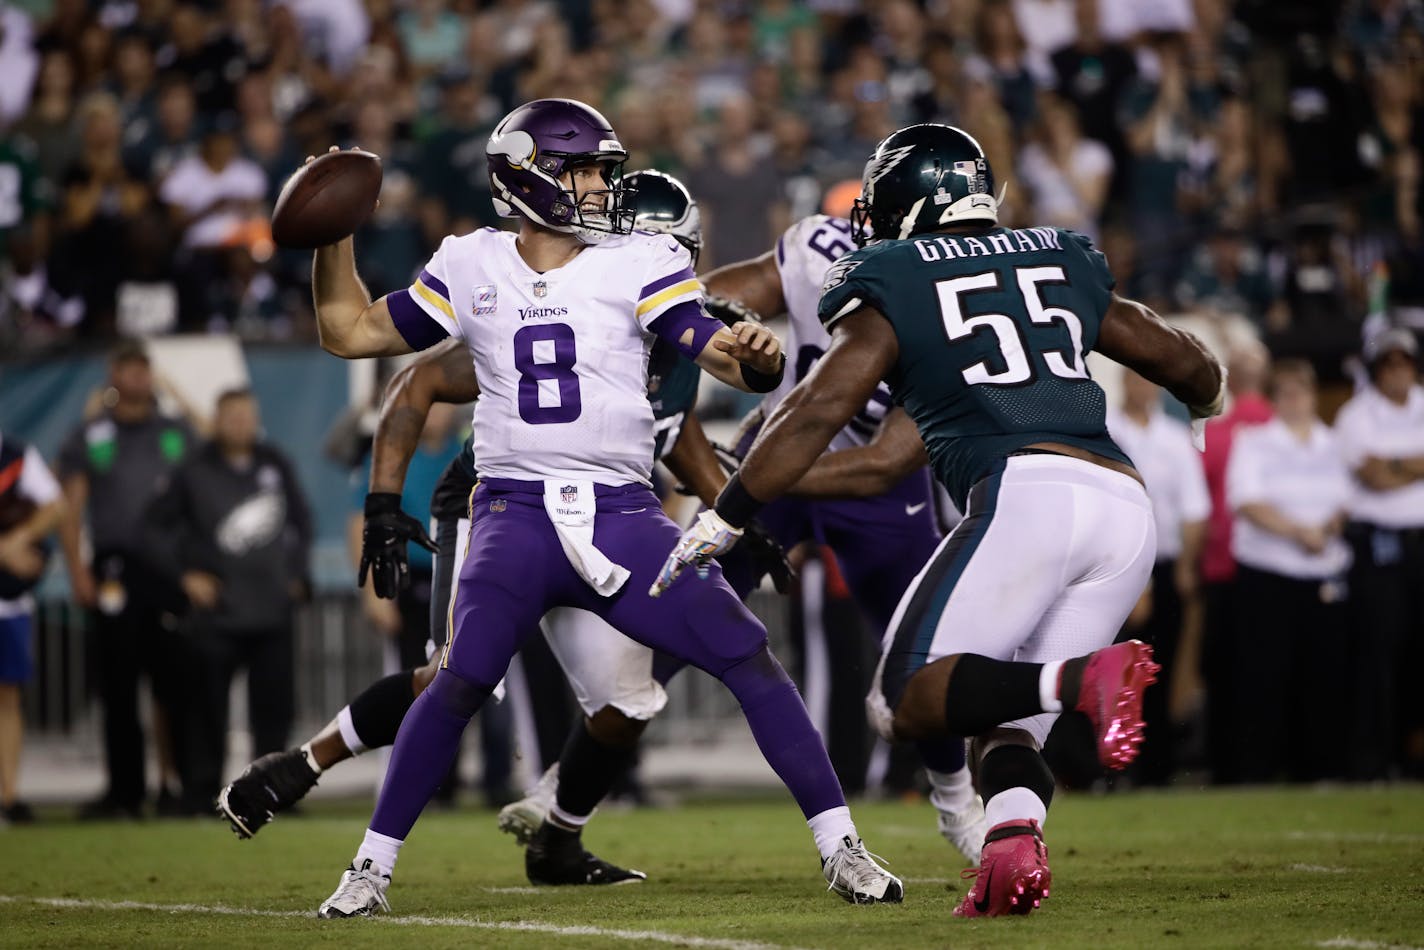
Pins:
x,y
831,240
531,372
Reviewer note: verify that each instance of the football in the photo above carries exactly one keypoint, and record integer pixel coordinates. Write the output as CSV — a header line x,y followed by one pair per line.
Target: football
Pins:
x,y
327,199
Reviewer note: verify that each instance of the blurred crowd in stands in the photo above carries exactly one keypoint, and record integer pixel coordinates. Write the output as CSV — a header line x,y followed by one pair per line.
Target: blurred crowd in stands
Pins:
x,y
1256,158
1255,162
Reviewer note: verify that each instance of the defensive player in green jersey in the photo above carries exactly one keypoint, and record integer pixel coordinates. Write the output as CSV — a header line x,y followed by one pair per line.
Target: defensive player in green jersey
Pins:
x,y
981,332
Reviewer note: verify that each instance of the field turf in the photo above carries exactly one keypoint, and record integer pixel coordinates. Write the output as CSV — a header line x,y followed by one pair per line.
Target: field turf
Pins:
x,y
1267,868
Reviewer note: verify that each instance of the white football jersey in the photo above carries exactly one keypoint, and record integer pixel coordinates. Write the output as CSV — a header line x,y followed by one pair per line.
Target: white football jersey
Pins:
x,y
803,255
561,357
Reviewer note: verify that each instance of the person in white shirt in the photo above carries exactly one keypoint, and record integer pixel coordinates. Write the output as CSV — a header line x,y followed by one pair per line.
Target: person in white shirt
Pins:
x,y
1066,173
1161,449
1288,486
1381,432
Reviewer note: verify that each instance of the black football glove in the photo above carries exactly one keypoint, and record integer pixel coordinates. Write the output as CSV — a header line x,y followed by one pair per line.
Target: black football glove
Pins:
x,y
384,536
766,556
730,312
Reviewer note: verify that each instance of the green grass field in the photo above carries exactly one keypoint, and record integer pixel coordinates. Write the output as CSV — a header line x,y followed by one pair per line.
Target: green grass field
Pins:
x,y
1244,869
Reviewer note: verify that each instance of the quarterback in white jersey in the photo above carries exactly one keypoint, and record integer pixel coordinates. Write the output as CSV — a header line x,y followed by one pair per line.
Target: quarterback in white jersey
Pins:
x,y
558,320
538,416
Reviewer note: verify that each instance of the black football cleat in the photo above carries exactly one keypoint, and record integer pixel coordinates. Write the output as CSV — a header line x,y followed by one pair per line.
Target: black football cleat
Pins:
x,y
272,784
556,856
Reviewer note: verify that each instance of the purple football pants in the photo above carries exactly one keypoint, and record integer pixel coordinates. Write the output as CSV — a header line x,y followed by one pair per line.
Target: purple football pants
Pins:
x,y
516,570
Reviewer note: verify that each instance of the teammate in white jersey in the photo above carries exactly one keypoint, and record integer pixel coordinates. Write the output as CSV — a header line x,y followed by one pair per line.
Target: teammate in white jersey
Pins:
x,y
559,320
881,541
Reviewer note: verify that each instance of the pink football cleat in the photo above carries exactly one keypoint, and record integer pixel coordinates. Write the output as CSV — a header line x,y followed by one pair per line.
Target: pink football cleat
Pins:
x,y
1013,874
1111,696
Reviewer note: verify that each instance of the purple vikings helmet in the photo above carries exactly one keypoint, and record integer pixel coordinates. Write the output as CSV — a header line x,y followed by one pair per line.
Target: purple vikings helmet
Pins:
x,y
533,145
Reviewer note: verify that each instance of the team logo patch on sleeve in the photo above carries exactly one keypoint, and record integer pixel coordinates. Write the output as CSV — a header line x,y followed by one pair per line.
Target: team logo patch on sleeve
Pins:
x,y
838,274
485,300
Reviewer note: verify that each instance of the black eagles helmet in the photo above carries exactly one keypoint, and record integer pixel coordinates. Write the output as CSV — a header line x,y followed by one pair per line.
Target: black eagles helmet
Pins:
x,y
665,205
922,178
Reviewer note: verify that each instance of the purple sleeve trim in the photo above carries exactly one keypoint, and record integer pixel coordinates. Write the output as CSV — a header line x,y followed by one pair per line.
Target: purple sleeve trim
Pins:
x,y
781,251
676,321
420,330
434,283
662,282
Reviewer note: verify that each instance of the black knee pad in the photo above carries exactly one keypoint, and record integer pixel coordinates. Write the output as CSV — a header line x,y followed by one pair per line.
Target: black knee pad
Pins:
x,y
1015,766
456,695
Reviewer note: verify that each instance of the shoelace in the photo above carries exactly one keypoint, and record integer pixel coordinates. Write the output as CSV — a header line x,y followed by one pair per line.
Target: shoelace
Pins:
x,y
860,874
366,879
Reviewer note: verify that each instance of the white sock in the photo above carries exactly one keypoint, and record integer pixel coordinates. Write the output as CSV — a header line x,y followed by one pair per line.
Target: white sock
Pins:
x,y
951,792
566,821
348,731
380,849
310,758
829,827
1048,687
1015,804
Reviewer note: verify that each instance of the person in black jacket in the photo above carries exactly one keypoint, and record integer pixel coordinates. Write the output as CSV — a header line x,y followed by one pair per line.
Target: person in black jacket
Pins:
x,y
111,467
240,530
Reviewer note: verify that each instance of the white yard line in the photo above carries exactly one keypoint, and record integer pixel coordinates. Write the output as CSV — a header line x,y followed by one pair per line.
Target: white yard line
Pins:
x,y
1318,869
1368,837
1350,943
524,926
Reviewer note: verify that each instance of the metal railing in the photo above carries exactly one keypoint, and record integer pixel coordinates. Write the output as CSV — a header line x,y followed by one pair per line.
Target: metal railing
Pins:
x,y
338,655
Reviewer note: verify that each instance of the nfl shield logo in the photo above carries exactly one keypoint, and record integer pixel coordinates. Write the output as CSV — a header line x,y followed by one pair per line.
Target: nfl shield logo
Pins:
x,y
499,504
569,494
541,289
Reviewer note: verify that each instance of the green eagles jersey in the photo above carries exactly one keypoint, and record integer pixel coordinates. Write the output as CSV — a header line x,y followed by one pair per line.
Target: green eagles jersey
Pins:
x,y
993,327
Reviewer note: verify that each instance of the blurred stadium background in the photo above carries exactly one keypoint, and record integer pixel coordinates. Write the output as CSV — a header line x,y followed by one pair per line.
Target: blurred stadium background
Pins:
x,y
1250,167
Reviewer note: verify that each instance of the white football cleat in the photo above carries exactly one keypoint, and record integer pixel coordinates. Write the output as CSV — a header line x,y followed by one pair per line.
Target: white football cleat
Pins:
x,y
362,893
853,874
966,829
523,818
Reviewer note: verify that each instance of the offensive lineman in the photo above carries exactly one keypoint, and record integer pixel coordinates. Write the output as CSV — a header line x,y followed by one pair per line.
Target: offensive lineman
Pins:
x,y
981,332
558,321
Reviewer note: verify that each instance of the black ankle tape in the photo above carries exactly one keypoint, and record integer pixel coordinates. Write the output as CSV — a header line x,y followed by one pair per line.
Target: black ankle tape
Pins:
x,y
1070,678
999,834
